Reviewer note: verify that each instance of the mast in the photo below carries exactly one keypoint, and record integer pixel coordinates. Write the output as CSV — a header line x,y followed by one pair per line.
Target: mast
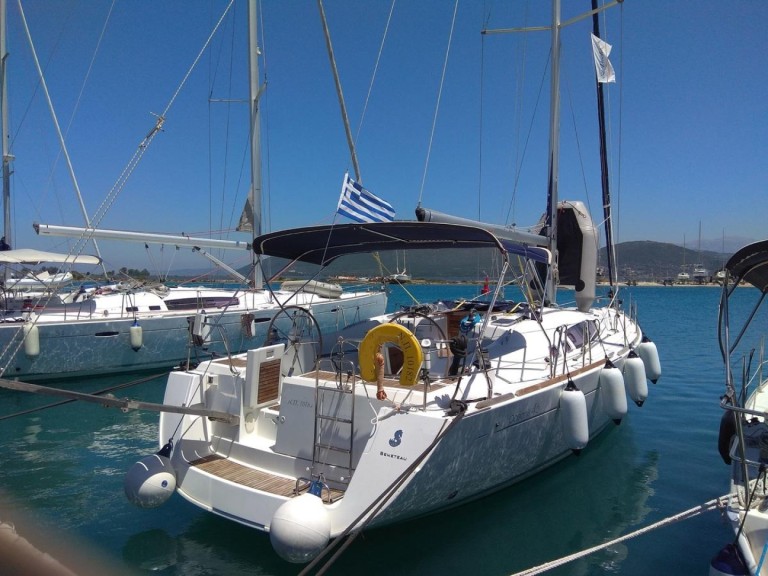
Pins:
x,y
7,158
554,151
255,190
609,247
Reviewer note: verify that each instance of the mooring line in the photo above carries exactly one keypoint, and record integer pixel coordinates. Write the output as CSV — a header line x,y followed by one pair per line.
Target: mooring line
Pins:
x,y
97,393
714,504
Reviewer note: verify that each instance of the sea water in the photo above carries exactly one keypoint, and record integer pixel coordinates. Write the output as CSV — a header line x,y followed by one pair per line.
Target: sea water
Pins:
x,y
61,480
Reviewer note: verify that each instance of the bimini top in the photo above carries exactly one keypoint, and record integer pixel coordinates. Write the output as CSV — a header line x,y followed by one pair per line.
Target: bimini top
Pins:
x,y
750,264
323,244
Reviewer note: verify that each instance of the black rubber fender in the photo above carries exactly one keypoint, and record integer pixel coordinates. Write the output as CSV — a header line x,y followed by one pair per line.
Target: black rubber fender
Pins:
x,y
727,430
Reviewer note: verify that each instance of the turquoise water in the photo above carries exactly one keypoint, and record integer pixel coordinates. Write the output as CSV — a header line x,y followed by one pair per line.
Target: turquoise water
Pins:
x,y
61,481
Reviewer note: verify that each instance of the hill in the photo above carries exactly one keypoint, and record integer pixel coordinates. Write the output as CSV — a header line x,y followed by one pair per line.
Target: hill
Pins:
x,y
656,261
639,260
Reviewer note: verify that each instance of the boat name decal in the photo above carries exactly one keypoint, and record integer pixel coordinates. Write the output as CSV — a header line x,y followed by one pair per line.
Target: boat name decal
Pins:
x,y
393,456
299,403
515,419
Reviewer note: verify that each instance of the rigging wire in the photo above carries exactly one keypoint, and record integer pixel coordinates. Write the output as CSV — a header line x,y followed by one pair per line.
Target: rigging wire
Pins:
x,y
80,94
621,115
148,139
375,70
518,171
519,107
437,104
39,200
339,93
14,345
55,119
345,539
227,124
266,198
708,506
579,154
97,393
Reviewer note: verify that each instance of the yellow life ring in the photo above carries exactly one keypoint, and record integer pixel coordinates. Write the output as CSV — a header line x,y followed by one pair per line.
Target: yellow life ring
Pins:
x,y
400,336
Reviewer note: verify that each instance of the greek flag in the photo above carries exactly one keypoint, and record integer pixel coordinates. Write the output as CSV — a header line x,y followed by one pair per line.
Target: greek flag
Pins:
x,y
357,204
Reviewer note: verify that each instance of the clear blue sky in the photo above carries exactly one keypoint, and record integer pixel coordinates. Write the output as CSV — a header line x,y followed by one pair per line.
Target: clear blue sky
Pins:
x,y
688,116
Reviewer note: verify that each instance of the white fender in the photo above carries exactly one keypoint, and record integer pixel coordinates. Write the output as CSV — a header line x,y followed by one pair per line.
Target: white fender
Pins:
x,y
31,340
150,481
573,415
650,355
300,528
612,392
136,336
201,330
634,378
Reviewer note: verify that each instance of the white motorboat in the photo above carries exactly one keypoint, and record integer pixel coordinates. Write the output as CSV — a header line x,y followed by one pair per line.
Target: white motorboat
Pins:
x,y
743,435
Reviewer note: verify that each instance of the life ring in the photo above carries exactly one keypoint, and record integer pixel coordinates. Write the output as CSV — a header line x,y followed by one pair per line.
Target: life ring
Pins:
x,y
403,339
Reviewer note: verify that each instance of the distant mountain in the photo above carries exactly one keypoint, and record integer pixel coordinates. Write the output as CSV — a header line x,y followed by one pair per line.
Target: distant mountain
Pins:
x,y
729,244
638,260
648,260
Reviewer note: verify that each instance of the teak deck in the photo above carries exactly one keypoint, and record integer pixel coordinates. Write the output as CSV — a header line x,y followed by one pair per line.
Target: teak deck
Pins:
x,y
258,479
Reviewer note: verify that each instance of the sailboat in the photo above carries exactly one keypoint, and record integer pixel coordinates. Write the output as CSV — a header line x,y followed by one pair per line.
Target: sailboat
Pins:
x,y
683,277
399,277
744,424
416,411
122,327
700,273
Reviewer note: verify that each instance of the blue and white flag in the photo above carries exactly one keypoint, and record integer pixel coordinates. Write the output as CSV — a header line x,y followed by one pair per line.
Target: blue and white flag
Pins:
x,y
360,205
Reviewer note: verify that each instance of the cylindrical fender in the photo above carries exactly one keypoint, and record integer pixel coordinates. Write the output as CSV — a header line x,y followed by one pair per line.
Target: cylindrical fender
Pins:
x,y
31,339
403,339
649,353
727,430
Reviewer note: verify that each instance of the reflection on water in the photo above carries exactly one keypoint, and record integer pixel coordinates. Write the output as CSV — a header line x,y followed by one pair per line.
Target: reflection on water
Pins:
x,y
594,497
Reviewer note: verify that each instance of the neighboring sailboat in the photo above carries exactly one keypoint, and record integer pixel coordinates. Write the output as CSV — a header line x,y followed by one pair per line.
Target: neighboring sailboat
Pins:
x,y
683,277
416,411
744,424
399,277
123,327
700,274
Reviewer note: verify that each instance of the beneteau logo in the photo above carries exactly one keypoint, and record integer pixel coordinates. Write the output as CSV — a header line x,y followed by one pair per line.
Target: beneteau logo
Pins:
x,y
395,442
393,456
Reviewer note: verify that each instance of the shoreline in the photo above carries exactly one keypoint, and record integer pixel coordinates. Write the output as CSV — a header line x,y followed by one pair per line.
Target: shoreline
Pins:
x,y
422,281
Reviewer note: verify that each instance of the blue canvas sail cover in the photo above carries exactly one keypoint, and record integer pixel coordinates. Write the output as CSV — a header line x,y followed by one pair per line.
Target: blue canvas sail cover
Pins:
x,y
323,244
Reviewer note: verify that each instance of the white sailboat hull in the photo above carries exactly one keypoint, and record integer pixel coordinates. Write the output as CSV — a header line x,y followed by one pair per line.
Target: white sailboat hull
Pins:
x,y
80,339
440,460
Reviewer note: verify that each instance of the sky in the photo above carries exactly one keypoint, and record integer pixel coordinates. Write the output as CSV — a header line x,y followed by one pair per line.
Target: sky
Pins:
x,y
441,115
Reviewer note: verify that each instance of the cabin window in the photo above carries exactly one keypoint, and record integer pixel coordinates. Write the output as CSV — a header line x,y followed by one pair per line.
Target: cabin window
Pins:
x,y
202,303
576,335
581,333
